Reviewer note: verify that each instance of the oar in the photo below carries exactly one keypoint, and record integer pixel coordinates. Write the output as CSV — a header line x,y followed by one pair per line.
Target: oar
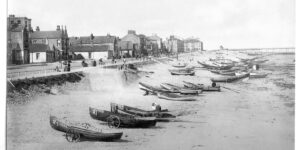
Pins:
x,y
230,89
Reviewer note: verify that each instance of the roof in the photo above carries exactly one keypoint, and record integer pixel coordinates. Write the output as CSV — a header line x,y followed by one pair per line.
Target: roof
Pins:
x,y
46,34
191,40
84,48
33,48
88,40
125,45
154,37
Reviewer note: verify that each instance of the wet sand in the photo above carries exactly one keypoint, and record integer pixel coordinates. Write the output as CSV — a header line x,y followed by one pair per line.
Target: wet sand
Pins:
x,y
259,115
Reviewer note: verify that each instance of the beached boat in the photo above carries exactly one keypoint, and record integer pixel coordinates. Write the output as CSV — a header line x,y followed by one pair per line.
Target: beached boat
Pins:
x,y
179,65
181,90
201,86
258,75
187,71
226,73
216,66
175,97
74,132
230,79
254,74
122,120
159,115
151,89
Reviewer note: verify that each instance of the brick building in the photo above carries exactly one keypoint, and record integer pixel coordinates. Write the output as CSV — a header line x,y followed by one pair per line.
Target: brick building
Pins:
x,y
155,44
57,40
134,39
193,44
105,47
18,30
174,45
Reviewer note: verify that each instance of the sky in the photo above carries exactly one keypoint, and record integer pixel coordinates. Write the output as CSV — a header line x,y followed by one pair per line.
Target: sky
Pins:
x,y
230,23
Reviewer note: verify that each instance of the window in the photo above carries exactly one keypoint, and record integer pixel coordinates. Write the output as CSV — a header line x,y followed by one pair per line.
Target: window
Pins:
x,y
37,55
12,22
58,43
19,21
90,55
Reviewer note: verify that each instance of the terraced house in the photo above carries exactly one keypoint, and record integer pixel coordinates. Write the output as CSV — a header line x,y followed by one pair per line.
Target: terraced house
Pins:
x,y
193,44
56,42
93,47
130,44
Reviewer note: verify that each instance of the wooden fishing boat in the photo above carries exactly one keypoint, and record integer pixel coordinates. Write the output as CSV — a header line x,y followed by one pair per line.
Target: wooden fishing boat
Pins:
x,y
213,66
258,75
231,78
226,73
175,97
179,65
201,86
122,120
151,89
187,71
74,132
181,90
254,74
159,115
205,65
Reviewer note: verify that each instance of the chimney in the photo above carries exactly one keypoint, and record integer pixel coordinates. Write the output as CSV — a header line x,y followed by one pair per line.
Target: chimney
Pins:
x,y
131,32
58,28
108,35
11,16
37,28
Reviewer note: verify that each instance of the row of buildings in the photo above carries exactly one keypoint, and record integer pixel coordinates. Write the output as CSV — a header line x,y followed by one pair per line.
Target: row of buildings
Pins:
x,y
25,45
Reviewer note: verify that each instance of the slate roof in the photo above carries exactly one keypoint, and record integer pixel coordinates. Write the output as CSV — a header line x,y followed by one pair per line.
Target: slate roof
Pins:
x,y
191,40
46,34
88,40
125,45
84,48
33,48
154,37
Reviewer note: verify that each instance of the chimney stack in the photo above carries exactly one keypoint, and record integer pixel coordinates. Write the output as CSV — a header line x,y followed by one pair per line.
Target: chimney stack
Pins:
x,y
58,28
37,28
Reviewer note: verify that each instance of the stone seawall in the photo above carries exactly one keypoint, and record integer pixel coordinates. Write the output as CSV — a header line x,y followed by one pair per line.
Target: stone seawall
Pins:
x,y
22,90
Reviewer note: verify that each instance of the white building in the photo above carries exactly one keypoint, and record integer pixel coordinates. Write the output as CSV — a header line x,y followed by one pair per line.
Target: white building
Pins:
x,y
192,44
40,53
90,52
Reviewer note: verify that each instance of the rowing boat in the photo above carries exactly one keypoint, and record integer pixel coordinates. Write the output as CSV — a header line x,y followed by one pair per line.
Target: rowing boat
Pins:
x,y
187,71
159,115
175,97
176,89
76,131
230,78
122,120
201,86
152,89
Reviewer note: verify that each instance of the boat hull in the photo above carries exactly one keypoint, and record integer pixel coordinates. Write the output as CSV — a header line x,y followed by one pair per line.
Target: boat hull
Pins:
x,y
128,121
59,125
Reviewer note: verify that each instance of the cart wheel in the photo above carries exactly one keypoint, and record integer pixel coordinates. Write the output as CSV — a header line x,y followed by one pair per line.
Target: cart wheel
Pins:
x,y
72,136
113,122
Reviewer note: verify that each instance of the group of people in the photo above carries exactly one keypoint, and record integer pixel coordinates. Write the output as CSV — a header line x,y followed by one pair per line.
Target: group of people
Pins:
x,y
67,66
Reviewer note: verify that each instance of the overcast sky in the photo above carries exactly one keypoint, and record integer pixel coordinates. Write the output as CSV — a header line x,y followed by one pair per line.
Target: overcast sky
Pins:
x,y
231,23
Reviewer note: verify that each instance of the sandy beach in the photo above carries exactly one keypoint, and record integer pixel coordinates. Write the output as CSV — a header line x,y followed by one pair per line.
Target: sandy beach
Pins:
x,y
258,115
